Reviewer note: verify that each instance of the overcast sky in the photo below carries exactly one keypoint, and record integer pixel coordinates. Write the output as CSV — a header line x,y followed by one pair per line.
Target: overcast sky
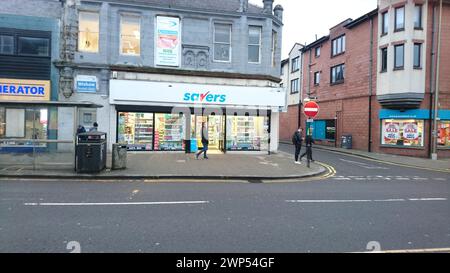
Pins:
x,y
303,19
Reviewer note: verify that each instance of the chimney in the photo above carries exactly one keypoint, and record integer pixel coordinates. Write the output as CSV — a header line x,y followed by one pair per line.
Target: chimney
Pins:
x,y
278,11
243,6
268,6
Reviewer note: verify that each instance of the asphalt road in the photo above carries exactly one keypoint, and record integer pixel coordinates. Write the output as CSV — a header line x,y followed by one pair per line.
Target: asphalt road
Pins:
x,y
397,207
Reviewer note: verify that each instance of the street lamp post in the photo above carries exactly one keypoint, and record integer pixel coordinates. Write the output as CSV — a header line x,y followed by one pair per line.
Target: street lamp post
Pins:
x,y
436,95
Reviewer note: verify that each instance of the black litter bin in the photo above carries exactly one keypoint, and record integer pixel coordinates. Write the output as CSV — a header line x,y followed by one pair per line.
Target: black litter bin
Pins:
x,y
346,141
90,152
119,156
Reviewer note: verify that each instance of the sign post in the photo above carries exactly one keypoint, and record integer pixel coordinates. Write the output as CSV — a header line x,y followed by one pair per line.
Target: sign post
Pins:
x,y
311,109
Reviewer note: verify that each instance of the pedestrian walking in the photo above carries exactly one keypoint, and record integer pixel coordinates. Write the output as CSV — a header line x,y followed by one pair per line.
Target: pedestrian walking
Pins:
x,y
297,141
309,141
205,142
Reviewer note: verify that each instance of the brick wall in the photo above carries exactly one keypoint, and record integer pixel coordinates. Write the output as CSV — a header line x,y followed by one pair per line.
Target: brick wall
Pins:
x,y
444,95
348,101
288,123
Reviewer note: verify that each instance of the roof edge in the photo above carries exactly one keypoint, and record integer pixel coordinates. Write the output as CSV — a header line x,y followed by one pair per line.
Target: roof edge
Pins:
x,y
316,43
362,19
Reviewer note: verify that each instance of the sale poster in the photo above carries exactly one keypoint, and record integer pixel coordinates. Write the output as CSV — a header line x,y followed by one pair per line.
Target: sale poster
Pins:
x,y
411,131
391,132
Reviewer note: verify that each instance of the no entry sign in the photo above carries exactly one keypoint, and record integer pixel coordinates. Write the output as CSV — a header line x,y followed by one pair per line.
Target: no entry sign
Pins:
x,y
311,109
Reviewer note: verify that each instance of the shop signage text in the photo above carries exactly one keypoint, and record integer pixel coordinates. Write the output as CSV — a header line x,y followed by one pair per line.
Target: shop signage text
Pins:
x,y
205,97
86,84
12,89
167,41
183,94
411,131
392,131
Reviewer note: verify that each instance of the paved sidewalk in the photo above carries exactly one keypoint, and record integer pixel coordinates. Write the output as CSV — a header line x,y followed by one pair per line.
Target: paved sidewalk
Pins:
x,y
438,165
183,166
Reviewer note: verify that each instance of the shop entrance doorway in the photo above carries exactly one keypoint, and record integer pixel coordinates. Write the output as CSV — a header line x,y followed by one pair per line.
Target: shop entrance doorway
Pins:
x,y
215,126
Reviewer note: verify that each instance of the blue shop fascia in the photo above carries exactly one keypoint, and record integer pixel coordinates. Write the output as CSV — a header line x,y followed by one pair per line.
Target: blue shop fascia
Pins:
x,y
28,82
403,129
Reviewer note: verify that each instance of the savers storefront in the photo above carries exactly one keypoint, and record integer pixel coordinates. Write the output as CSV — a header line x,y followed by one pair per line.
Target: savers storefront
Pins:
x,y
162,116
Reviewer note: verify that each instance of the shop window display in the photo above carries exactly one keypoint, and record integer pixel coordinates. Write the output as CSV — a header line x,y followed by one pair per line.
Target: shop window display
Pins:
x,y
402,132
169,132
444,134
24,124
136,130
247,133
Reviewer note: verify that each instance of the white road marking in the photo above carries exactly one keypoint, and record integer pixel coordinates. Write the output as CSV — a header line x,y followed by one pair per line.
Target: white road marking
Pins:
x,y
327,201
366,201
425,250
117,204
387,178
390,200
364,165
428,199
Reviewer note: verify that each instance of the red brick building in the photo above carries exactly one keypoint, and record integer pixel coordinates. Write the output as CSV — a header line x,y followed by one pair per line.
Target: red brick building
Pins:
x,y
375,79
340,73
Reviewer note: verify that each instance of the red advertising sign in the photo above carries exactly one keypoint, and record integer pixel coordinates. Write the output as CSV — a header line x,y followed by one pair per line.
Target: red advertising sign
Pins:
x,y
392,131
411,131
311,109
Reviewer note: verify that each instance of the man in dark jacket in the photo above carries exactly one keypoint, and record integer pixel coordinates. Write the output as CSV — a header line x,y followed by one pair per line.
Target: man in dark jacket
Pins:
x,y
205,142
297,141
309,141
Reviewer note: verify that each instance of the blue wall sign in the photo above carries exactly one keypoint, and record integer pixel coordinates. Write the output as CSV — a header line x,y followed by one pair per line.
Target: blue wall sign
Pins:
x,y
86,84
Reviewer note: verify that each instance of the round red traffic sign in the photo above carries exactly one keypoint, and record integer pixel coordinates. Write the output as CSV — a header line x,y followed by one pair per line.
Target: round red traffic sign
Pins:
x,y
311,109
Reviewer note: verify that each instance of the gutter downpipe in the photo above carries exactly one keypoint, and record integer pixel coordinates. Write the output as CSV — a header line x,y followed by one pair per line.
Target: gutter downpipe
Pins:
x,y
300,99
369,145
432,82
436,96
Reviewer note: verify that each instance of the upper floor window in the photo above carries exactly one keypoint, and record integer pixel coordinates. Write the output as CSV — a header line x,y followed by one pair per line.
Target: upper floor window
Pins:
x,y
385,23
222,42
317,51
338,46
6,44
399,57
295,64
88,32
33,46
384,59
254,44
400,19
337,74
295,87
274,47
417,56
418,16
317,78
130,35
